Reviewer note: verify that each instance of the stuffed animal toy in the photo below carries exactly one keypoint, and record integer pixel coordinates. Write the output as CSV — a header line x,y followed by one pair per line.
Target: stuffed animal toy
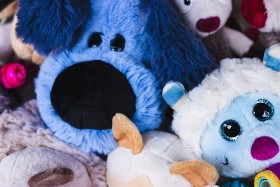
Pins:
x,y
31,156
115,56
156,159
231,119
8,40
259,19
208,19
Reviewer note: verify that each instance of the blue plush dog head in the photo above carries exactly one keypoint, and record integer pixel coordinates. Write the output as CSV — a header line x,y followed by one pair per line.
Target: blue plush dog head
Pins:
x,y
117,61
232,119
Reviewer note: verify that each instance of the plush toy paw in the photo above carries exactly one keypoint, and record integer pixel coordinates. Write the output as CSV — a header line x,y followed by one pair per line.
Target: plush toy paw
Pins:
x,y
198,173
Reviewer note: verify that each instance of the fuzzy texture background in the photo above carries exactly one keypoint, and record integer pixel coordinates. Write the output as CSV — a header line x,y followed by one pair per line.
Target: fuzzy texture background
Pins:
x,y
23,128
57,20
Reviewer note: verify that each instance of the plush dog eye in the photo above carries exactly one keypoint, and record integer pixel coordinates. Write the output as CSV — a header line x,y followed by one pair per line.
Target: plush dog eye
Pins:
x,y
183,5
187,2
230,130
263,110
118,43
95,39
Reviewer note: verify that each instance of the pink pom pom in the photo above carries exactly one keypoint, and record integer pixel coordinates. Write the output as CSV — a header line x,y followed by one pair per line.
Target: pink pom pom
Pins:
x,y
12,75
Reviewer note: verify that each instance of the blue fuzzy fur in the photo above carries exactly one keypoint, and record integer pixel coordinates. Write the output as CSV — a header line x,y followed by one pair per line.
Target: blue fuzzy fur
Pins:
x,y
178,55
50,25
139,62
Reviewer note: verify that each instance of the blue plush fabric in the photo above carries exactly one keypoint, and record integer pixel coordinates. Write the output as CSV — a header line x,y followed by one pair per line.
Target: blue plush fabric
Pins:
x,y
146,61
178,55
40,20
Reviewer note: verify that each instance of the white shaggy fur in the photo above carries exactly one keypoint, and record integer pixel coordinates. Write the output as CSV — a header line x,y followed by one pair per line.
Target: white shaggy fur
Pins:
x,y
235,77
273,17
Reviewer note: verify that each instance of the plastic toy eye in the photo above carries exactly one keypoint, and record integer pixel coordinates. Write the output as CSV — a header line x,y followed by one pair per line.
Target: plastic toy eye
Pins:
x,y
183,5
95,39
187,2
263,110
118,43
230,130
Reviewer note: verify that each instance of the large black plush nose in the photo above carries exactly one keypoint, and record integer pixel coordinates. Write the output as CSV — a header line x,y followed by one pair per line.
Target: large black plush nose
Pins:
x,y
87,95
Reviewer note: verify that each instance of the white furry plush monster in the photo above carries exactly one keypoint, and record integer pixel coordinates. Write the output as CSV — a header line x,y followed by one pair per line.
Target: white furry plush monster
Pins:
x,y
207,18
156,159
232,119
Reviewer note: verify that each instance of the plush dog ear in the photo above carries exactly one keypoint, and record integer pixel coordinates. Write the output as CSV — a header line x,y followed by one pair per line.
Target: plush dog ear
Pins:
x,y
177,54
50,25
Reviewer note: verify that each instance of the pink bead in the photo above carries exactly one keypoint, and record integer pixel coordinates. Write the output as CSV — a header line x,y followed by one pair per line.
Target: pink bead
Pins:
x,y
13,75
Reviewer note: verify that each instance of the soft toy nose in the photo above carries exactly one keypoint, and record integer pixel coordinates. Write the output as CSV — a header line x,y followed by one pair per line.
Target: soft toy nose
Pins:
x,y
264,148
209,24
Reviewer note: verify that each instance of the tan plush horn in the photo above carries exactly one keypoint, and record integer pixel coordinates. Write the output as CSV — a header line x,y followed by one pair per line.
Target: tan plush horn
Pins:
x,y
199,173
127,134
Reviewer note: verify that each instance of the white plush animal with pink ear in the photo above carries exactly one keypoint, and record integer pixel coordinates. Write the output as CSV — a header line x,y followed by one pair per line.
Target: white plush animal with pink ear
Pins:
x,y
207,18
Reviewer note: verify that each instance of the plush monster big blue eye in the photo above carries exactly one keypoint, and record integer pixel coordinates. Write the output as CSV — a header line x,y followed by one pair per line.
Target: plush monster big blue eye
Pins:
x,y
187,2
263,110
230,130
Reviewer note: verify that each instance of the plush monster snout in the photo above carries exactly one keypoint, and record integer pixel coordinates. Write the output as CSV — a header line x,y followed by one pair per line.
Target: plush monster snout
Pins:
x,y
87,95
264,148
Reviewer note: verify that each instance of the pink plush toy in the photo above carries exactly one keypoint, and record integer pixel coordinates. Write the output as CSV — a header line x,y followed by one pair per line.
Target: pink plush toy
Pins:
x,y
12,75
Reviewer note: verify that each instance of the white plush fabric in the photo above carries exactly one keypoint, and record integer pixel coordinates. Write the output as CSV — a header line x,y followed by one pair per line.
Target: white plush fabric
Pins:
x,y
161,149
202,9
273,17
23,128
235,77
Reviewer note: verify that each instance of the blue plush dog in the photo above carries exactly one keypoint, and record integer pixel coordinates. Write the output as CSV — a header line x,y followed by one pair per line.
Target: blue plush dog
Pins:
x,y
107,57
